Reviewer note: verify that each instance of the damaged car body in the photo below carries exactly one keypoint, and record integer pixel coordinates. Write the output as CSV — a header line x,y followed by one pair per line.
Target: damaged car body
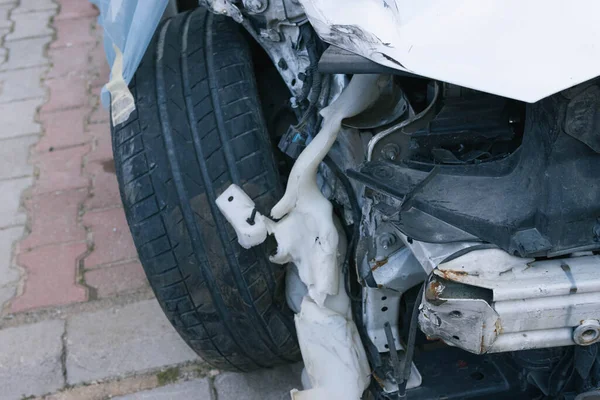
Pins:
x,y
440,224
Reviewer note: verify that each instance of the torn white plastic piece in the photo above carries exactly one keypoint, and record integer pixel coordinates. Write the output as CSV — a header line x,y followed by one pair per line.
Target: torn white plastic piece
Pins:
x,y
121,99
295,289
239,210
336,365
334,356
306,235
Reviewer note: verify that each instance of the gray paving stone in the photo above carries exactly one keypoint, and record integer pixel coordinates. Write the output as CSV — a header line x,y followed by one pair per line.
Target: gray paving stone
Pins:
x,y
8,274
267,384
119,341
30,360
7,293
21,84
14,154
10,200
26,6
30,25
26,53
197,389
18,118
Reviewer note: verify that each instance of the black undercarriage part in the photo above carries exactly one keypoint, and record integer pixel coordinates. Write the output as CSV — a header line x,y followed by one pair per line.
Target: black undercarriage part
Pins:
x,y
450,373
540,199
548,374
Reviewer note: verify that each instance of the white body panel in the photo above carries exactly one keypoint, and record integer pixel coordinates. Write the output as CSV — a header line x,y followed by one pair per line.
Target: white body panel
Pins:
x,y
525,50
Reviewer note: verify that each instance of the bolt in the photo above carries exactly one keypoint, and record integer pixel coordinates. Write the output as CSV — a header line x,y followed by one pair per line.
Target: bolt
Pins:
x,y
387,240
587,333
254,6
282,64
390,151
382,172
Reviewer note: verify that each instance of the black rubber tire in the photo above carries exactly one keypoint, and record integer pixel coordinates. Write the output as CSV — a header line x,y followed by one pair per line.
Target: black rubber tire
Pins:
x,y
197,128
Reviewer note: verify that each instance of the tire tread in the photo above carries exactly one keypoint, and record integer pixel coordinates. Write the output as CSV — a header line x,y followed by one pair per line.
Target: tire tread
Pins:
x,y
179,151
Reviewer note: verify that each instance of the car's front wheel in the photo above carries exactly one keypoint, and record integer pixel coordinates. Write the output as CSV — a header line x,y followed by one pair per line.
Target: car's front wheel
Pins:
x,y
198,128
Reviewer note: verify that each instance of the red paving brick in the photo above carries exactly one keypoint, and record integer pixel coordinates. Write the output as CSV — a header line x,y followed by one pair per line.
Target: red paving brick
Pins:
x,y
111,236
100,115
66,92
60,170
70,60
117,279
101,67
51,277
73,32
100,166
105,189
63,129
102,78
75,173
54,219
75,9
102,149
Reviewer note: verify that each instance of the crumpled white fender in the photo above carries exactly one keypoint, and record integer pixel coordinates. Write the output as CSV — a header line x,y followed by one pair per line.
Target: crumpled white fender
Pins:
x,y
306,235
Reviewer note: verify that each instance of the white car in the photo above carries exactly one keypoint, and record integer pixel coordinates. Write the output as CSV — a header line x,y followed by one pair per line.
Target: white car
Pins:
x,y
405,194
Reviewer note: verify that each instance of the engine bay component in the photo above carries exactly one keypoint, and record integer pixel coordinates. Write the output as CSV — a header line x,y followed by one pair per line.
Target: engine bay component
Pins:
x,y
389,107
393,276
336,60
488,301
540,200
414,121
458,126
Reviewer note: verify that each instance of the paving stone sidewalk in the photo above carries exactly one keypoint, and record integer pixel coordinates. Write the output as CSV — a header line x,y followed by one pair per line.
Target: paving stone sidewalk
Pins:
x,y
77,318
